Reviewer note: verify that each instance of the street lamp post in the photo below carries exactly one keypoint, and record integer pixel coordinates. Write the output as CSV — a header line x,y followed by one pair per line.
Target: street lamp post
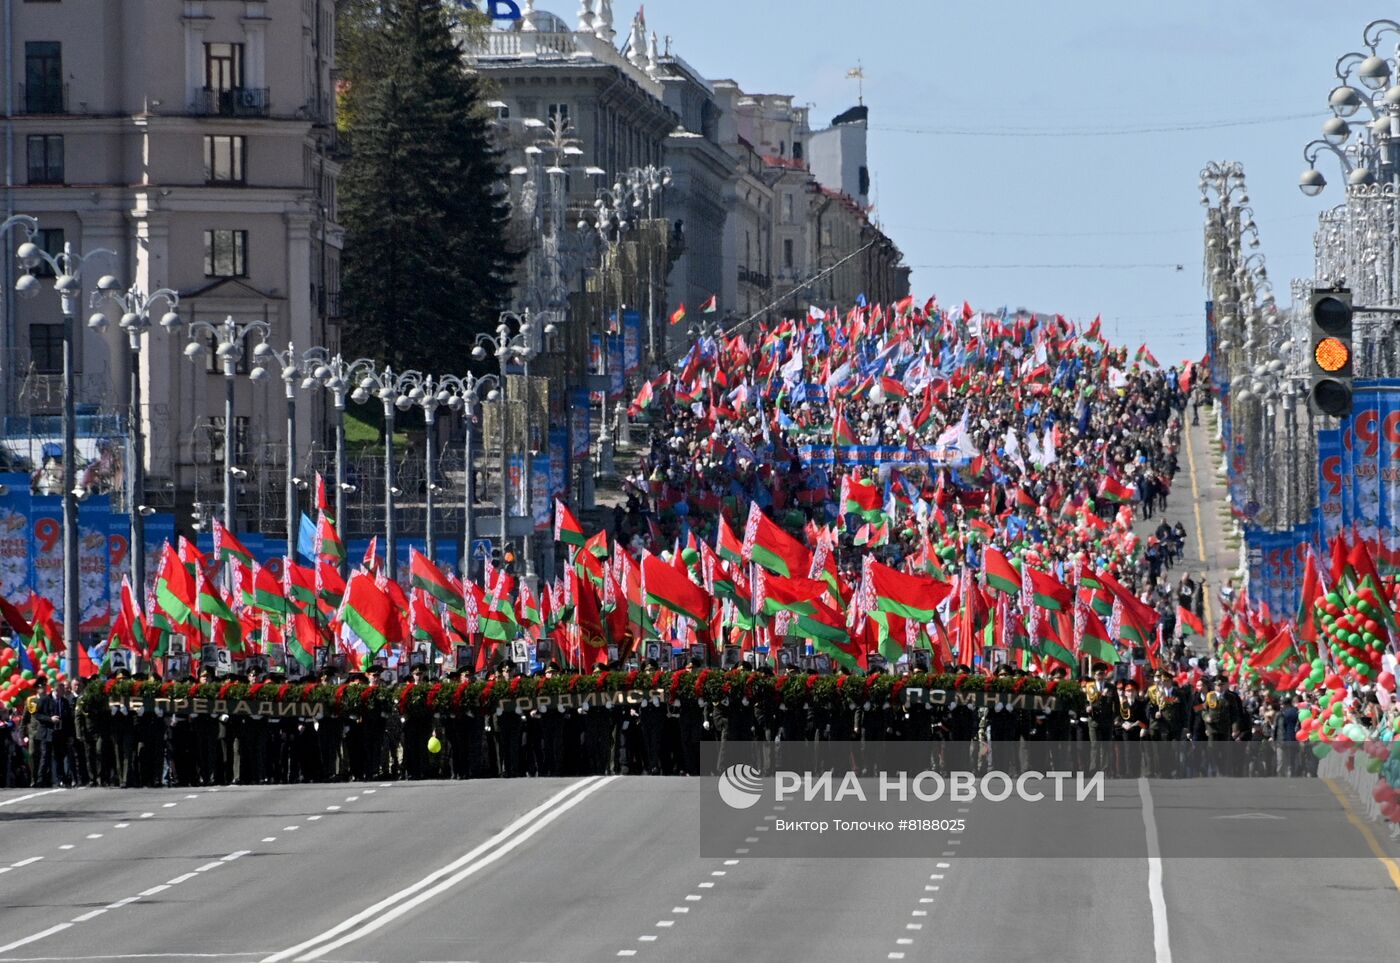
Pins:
x,y
290,369
431,393
645,185
469,390
389,388
136,307
67,269
338,376
522,346
228,337
610,224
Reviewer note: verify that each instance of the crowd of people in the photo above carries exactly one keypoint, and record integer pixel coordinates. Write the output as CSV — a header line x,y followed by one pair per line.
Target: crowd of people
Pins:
x,y
1011,473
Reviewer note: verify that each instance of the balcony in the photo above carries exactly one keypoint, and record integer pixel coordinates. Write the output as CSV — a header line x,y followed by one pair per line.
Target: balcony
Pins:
x,y
43,99
233,102
758,280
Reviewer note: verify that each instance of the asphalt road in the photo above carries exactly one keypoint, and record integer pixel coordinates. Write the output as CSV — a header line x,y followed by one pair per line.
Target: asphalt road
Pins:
x,y
570,871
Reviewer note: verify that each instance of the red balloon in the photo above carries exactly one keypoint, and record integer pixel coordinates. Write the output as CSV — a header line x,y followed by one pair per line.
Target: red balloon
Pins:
x,y
1333,681
1386,680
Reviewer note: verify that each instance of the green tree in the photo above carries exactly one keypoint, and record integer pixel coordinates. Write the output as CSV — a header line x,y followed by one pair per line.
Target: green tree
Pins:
x,y
426,263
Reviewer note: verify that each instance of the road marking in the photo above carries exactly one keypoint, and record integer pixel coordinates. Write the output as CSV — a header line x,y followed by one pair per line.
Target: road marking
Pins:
x,y
351,798
331,809
192,796
718,872
91,915
750,839
942,865
680,909
1161,938
913,926
269,839
930,889
94,835
368,792
121,825
707,885
731,862
155,889
694,897
290,829
32,795
896,956
37,936
208,866
935,875
1251,816
742,852
665,923
949,853
184,878
649,938
123,902
66,846
904,941
919,913
626,952
236,854
397,904
312,819
147,815
925,899
1371,842
1200,531
25,862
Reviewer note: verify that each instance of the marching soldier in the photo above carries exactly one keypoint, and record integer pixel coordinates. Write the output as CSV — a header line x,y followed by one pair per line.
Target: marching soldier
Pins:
x,y
1133,731
1103,718
42,719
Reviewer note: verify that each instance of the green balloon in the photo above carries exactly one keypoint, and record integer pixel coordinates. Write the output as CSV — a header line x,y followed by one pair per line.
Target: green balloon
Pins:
x,y
1374,766
1321,750
1334,598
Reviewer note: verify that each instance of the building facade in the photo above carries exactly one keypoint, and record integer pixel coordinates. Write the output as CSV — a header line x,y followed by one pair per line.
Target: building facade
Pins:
x,y
196,142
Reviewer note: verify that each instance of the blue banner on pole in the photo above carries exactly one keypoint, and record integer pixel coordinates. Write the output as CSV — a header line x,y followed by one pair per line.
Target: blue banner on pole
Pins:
x,y
631,342
578,424
94,563
15,537
617,380
1330,482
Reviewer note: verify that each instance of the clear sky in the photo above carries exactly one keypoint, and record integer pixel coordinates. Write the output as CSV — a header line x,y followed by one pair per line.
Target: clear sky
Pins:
x,y
964,93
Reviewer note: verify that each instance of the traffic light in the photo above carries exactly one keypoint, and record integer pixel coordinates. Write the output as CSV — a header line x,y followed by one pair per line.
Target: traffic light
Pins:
x,y
1330,351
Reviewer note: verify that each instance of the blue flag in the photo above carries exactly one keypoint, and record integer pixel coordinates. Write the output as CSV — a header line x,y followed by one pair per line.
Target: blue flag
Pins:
x,y
306,540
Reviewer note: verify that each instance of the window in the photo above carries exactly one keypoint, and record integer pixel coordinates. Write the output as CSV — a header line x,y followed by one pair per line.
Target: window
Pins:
x,y
503,112
223,66
43,77
225,254
45,158
560,111
50,241
864,180
240,439
797,150
787,252
787,208
46,348
215,364
223,159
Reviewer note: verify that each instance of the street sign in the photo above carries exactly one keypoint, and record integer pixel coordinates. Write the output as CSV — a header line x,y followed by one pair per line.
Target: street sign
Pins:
x,y
481,549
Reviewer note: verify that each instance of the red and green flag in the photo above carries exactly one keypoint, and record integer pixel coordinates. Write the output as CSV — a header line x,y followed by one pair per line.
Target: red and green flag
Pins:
x,y
1115,491
1001,574
425,575
227,547
566,527
767,545
366,615
914,597
663,585
1048,592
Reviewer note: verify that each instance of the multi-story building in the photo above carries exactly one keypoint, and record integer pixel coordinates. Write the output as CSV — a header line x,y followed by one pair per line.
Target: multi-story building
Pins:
x,y
195,141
